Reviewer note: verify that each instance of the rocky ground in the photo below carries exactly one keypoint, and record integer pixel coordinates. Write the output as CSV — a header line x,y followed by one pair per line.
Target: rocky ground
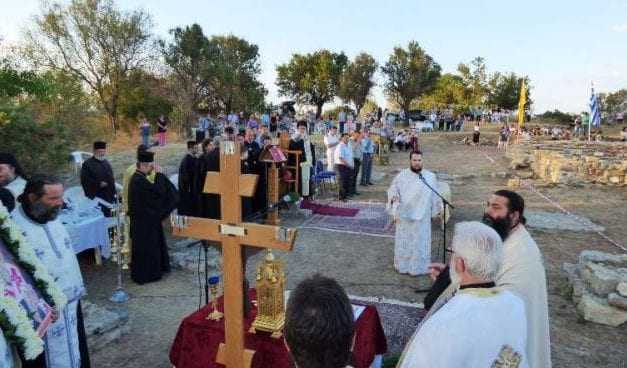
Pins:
x,y
363,264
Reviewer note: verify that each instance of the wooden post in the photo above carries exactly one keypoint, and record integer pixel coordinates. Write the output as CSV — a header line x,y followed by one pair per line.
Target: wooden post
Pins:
x,y
231,185
273,193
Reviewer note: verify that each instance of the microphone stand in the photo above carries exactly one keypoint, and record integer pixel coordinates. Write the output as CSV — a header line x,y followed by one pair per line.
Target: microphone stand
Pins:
x,y
271,207
446,204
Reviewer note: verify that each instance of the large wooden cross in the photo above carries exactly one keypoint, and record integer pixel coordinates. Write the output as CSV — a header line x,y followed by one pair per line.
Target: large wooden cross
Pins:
x,y
231,185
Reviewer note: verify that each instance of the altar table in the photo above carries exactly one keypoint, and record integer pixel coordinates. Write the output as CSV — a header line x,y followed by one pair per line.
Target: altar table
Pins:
x,y
197,340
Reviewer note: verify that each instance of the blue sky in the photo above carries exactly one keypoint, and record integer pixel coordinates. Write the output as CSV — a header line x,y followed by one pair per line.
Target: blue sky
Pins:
x,y
561,45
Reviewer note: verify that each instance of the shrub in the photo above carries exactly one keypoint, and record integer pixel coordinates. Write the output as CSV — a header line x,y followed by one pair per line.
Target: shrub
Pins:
x,y
39,147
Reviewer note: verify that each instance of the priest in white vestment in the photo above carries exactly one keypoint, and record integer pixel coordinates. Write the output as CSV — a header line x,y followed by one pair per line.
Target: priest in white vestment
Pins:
x,y
481,323
37,218
522,272
411,203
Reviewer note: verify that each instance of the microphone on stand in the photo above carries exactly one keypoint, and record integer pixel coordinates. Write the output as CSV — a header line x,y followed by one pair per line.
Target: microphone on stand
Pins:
x,y
287,199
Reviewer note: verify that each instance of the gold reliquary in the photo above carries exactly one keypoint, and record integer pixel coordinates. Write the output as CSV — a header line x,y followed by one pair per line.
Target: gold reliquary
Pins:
x,y
270,296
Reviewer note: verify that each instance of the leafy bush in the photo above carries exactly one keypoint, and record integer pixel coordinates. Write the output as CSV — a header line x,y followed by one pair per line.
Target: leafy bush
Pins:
x,y
41,148
557,116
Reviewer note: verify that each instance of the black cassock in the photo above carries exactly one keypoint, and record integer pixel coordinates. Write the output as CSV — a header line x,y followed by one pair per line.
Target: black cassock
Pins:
x,y
188,187
149,205
299,145
209,206
252,165
93,172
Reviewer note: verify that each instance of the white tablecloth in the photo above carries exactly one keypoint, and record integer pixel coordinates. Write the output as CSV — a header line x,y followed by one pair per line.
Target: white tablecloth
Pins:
x,y
87,229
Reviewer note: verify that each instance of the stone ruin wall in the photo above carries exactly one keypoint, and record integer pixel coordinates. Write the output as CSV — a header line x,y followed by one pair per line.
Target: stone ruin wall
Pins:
x,y
571,162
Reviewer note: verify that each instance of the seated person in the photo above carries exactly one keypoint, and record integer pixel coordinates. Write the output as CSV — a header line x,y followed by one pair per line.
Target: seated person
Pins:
x,y
399,141
467,329
319,324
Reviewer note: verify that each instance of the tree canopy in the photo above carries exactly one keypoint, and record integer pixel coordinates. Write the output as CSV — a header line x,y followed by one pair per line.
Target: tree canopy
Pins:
x,y
93,40
356,81
409,73
313,78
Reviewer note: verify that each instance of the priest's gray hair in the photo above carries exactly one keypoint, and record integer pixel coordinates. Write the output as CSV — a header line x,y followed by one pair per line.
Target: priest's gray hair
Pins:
x,y
481,248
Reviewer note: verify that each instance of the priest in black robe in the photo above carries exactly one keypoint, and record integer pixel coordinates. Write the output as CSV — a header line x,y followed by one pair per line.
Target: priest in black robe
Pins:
x,y
209,204
307,159
252,165
188,184
149,205
97,177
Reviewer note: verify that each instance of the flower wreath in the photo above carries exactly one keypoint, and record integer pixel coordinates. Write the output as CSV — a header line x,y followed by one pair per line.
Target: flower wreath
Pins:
x,y
15,323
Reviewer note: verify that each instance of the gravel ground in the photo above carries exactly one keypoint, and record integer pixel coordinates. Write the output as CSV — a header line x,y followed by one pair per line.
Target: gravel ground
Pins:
x,y
364,266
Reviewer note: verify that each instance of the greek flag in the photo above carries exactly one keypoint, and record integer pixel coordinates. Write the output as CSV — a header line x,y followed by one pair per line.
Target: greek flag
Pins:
x,y
595,113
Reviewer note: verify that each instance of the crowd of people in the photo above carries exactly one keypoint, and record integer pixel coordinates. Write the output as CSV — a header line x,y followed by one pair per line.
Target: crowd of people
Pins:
x,y
494,276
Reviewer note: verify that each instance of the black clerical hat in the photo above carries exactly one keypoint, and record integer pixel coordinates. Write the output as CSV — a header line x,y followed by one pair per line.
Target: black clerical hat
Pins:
x,y
145,157
301,123
100,145
191,144
9,159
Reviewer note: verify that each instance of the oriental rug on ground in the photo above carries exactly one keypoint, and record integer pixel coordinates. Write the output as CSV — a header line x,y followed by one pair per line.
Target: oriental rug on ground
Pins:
x,y
370,218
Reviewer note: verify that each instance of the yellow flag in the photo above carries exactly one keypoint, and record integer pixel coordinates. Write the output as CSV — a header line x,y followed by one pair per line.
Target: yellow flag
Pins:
x,y
521,104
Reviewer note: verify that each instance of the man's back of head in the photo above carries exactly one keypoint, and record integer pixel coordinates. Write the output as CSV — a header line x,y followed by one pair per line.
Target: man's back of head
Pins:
x,y
319,324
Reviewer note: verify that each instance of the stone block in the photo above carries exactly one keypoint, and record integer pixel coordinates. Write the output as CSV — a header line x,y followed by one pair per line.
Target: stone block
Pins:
x,y
595,256
599,278
575,280
103,326
513,183
617,301
621,288
597,310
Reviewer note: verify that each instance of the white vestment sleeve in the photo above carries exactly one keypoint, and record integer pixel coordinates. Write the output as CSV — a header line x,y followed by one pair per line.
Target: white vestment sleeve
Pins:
x,y
393,191
6,355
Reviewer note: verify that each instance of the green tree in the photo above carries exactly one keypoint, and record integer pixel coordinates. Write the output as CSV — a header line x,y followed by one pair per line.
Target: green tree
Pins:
x,y
613,103
370,106
356,81
313,78
504,91
189,56
556,116
93,40
448,91
409,73
475,78
235,68
143,93
14,83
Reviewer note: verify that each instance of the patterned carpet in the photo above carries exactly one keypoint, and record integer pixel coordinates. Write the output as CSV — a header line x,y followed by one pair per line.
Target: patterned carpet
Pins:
x,y
371,219
399,321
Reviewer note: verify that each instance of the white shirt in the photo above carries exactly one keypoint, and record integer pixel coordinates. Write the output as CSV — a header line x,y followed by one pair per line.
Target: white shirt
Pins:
x,y
345,152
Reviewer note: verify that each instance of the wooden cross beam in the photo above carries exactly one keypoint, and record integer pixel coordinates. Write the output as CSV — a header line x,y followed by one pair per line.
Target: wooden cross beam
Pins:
x,y
231,185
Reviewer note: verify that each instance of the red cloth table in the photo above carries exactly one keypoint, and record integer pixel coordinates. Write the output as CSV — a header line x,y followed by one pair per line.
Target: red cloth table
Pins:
x,y
197,340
